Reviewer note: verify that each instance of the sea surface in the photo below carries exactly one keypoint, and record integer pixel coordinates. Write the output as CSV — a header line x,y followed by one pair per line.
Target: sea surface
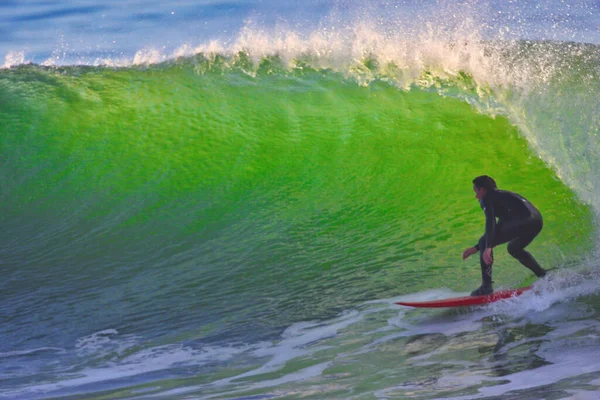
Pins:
x,y
225,199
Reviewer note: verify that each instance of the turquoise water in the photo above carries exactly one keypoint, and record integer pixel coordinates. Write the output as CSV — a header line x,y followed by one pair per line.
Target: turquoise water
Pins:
x,y
237,220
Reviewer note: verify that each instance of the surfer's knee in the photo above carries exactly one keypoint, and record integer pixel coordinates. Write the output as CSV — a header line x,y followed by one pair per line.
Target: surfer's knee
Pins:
x,y
516,251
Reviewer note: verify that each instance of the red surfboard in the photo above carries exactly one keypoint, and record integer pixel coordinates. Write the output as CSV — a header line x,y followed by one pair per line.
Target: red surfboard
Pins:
x,y
467,300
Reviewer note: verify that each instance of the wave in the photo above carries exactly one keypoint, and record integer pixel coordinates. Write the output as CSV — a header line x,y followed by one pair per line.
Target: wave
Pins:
x,y
188,207
527,81
222,165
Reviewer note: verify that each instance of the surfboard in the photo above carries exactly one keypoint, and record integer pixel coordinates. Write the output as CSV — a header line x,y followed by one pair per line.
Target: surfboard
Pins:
x,y
467,300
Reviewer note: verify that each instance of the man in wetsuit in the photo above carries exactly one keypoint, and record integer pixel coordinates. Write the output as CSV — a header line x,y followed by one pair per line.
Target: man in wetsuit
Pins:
x,y
518,223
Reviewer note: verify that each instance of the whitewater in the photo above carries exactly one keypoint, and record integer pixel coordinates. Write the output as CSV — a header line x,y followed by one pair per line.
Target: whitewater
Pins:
x,y
225,200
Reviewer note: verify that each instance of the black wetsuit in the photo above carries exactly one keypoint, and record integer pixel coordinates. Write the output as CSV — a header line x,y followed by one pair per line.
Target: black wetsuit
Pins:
x,y
519,222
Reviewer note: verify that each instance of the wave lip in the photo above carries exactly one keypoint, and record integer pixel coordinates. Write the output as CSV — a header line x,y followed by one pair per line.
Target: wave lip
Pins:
x,y
125,36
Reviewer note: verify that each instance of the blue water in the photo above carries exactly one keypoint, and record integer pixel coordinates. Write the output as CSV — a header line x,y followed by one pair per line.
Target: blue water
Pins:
x,y
225,199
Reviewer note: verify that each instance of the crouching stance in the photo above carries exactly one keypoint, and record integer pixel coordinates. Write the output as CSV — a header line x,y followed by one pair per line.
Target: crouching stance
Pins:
x,y
518,223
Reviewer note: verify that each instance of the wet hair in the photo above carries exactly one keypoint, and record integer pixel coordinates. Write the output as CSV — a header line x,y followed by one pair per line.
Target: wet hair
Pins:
x,y
486,182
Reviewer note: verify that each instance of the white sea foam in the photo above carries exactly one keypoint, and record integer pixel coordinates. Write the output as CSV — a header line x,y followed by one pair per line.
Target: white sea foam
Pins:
x,y
124,361
551,303
20,353
119,357
14,58
299,340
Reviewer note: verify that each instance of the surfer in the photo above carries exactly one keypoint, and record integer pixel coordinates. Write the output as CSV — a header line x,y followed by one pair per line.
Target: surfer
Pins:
x,y
518,223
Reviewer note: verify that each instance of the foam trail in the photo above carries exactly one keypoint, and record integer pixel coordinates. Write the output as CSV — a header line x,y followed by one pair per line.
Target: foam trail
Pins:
x,y
299,340
107,343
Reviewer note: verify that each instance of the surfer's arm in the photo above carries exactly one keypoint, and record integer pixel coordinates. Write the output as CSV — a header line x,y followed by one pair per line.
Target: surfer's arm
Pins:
x,y
470,251
490,224
490,231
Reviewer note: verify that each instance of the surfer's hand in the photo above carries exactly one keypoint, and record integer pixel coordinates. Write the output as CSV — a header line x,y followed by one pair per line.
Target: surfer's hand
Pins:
x,y
488,257
468,252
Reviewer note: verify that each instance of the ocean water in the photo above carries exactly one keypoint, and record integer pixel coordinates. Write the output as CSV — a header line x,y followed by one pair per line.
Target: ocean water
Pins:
x,y
224,200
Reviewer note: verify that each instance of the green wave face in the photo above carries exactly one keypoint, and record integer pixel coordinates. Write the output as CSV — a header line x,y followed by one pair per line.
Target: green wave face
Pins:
x,y
165,194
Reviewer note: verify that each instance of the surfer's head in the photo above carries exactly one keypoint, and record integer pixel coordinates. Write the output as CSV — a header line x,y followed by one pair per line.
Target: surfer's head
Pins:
x,y
482,184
